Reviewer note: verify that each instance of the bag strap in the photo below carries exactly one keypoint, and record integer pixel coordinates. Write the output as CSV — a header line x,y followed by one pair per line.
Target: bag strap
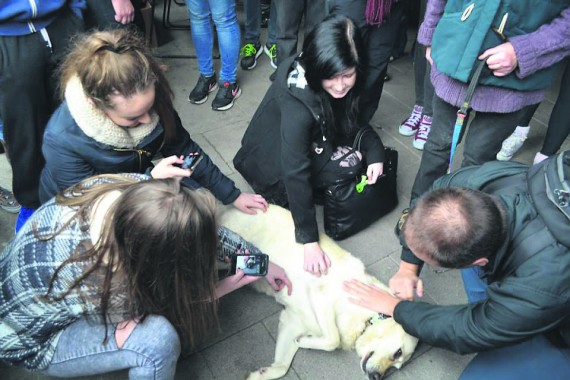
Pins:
x,y
358,137
462,112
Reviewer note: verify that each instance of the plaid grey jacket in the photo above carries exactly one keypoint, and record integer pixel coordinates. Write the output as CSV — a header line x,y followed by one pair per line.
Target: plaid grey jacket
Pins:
x,y
30,324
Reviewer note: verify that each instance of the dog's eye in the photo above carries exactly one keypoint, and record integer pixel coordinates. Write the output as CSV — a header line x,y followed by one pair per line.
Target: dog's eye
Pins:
x,y
397,354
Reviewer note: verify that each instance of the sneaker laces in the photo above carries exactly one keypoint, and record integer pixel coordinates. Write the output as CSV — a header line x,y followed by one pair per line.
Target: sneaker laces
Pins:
x,y
423,131
7,199
273,51
415,118
248,50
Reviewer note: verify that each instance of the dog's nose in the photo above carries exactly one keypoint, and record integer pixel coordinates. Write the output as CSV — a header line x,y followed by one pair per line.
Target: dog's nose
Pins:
x,y
374,376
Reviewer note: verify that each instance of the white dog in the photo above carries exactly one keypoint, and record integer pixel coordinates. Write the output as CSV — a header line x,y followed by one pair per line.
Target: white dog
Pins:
x,y
318,314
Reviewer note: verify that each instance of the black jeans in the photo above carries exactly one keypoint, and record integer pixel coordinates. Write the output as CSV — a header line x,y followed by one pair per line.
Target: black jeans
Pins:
x,y
27,99
559,123
483,138
288,21
422,69
379,42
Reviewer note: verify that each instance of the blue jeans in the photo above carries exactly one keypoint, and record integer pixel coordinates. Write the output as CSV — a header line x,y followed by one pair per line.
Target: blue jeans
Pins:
x,y
150,352
223,14
531,359
252,10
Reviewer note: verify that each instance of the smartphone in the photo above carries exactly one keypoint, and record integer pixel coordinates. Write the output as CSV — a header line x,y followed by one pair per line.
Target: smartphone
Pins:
x,y
191,160
250,264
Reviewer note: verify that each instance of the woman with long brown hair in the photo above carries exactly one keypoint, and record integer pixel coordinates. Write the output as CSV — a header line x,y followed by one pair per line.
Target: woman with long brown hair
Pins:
x,y
111,258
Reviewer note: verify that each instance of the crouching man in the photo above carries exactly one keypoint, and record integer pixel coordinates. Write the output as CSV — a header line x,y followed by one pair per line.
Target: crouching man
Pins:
x,y
507,228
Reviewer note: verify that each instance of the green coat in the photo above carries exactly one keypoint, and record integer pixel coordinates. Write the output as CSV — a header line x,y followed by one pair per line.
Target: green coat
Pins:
x,y
468,28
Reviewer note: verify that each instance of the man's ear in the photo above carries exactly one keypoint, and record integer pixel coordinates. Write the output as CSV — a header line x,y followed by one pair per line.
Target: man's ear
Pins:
x,y
481,262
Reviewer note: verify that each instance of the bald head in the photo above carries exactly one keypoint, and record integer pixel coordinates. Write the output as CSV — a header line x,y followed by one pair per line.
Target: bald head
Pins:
x,y
454,227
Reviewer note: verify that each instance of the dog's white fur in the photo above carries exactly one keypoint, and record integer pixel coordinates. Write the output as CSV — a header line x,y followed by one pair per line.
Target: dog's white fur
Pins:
x,y
318,314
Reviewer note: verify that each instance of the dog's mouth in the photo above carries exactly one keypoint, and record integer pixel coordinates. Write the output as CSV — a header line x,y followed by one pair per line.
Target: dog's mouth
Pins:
x,y
370,375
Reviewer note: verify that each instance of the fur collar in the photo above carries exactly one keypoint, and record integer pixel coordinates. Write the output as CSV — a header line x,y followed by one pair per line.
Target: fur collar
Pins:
x,y
97,125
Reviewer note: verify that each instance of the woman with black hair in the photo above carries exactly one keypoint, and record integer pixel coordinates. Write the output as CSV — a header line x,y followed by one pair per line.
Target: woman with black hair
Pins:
x,y
297,141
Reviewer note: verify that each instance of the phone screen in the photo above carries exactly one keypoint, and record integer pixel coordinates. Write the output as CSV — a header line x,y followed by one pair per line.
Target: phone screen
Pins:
x,y
191,161
251,265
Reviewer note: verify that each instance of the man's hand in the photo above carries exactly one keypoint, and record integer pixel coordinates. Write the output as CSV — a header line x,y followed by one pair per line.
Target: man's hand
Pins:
x,y
370,297
502,59
247,203
316,260
405,281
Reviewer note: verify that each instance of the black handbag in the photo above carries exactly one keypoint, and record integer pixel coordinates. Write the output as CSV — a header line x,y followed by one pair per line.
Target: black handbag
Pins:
x,y
347,211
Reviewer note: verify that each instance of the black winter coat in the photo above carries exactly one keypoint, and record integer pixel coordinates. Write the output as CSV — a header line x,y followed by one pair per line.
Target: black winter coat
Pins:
x,y
527,294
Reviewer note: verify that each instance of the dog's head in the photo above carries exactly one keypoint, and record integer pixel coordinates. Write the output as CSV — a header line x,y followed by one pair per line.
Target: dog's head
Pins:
x,y
382,345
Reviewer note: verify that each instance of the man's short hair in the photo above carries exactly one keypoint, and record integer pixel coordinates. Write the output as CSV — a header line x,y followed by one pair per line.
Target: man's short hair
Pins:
x,y
455,226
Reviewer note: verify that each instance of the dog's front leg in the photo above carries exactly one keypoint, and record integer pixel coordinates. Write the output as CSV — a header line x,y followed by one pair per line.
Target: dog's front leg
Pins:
x,y
285,349
329,339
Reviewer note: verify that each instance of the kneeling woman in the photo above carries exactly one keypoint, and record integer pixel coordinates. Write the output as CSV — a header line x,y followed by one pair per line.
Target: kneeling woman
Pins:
x,y
297,140
109,259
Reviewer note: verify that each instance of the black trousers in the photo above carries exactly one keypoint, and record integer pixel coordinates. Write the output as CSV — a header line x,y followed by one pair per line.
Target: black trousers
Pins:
x,y
379,41
27,99
288,21
483,136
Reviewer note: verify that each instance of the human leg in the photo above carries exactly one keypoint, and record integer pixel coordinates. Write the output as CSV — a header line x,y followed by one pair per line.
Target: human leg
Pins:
x,y
515,141
315,12
202,35
559,123
532,359
227,28
27,99
475,286
270,47
287,22
379,44
485,134
252,48
435,157
150,352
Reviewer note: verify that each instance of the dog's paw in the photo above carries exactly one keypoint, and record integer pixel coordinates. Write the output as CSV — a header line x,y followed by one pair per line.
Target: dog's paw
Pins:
x,y
258,375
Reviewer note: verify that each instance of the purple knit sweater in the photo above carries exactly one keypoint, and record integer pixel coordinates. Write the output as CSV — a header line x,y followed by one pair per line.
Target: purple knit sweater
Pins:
x,y
537,50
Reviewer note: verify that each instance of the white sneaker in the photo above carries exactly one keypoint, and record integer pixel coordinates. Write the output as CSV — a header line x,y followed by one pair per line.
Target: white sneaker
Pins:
x,y
409,127
511,145
422,133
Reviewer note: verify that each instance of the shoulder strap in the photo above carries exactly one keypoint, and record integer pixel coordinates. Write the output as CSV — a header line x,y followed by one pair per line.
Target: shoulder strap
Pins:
x,y
358,137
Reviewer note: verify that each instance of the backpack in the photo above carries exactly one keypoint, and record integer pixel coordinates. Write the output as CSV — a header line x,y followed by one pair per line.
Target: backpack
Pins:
x,y
547,183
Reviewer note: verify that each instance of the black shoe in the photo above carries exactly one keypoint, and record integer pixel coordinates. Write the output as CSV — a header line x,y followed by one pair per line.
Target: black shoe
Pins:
x,y
273,75
227,94
204,86
249,54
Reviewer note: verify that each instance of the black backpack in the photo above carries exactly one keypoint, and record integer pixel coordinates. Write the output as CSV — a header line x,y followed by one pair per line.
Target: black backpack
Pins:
x,y
547,183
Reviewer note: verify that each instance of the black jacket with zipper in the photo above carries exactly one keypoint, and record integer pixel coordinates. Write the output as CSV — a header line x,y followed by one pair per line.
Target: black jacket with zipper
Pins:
x,y
276,157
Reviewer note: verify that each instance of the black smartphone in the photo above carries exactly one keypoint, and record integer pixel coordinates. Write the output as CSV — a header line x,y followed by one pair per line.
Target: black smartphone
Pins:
x,y
191,161
250,264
